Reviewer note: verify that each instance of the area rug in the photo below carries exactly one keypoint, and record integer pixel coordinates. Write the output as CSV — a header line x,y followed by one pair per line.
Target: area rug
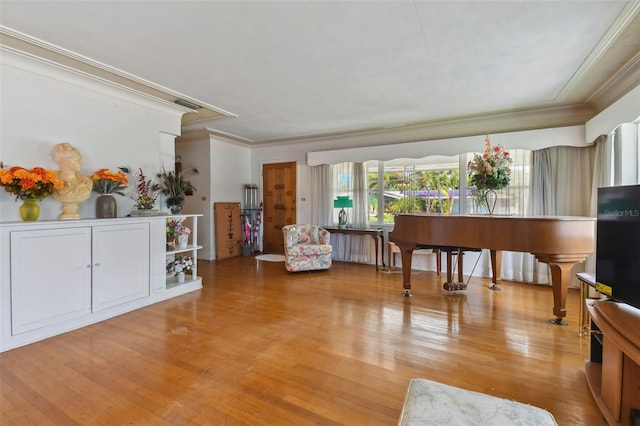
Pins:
x,y
432,403
270,257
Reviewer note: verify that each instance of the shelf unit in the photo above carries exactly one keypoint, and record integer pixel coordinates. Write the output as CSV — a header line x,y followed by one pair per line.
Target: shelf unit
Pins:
x,y
90,270
191,221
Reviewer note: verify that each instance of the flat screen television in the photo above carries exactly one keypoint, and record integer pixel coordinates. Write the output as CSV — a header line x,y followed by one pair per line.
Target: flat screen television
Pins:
x,y
618,243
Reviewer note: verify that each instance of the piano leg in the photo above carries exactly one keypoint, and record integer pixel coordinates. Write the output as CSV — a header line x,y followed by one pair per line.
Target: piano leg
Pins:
x,y
496,269
560,276
406,255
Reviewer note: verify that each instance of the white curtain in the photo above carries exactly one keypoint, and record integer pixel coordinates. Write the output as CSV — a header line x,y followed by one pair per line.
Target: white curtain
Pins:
x,y
351,179
321,195
542,199
561,184
360,197
573,178
602,176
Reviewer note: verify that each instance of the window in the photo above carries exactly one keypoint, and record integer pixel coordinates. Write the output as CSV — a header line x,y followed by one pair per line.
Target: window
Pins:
x,y
432,185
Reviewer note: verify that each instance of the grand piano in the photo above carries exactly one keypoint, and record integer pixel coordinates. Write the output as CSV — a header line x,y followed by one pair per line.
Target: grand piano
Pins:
x,y
559,241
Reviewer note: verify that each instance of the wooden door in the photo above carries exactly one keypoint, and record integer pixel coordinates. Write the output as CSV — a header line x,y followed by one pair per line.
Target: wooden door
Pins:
x,y
279,197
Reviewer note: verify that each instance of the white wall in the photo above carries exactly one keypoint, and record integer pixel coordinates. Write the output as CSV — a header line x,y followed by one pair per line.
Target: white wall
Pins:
x,y
43,105
195,154
225,167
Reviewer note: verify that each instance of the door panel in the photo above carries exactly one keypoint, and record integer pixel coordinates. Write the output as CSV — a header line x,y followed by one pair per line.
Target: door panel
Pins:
x,y
121,264
279,183
50,277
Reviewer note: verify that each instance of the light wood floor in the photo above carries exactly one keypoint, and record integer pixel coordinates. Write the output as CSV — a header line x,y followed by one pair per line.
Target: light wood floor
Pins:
x,y
260,346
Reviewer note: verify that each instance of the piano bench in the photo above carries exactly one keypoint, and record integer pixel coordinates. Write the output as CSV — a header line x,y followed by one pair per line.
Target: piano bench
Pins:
x,y
393,249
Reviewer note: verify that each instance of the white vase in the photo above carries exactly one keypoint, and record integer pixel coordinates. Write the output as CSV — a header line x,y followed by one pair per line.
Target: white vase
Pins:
x,y
183,240
181,277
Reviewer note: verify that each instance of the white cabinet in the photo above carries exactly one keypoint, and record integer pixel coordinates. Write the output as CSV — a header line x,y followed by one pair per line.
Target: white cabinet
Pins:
x,y
50,277
120,264
57,276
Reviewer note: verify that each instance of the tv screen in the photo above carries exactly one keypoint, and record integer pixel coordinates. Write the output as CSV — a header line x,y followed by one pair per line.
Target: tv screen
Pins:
x,y
618,243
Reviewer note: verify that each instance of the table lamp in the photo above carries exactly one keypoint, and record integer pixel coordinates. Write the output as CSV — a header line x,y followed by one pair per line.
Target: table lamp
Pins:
x,y
341,202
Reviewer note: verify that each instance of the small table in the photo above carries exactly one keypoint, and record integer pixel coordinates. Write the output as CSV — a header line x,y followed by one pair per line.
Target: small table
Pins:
x,y
375,233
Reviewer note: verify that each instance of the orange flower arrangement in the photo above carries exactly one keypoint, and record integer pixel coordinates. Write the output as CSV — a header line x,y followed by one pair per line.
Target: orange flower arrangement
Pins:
x,y
36,183
107,182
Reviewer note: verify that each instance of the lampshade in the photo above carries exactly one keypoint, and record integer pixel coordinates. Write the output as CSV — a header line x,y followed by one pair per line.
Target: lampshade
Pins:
x,y
342,201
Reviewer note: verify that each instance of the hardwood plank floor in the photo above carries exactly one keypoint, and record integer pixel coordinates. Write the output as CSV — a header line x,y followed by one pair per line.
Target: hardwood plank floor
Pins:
x,y
260,346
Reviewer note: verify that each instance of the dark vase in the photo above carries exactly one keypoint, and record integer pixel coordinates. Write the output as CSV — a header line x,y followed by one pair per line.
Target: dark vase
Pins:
x,y
106,206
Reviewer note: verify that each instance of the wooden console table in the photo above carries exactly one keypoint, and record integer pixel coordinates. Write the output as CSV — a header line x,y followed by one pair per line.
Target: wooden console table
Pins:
x,y
375,233
613,370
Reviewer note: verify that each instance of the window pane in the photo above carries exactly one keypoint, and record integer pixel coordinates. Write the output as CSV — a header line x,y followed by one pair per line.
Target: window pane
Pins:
x,y
432,185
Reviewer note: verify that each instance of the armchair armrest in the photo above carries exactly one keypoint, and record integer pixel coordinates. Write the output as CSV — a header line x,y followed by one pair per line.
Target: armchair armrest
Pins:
x,y
324,236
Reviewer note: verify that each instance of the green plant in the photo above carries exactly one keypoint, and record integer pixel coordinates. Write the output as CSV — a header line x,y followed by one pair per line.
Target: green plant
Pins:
x,y
145,194
174,186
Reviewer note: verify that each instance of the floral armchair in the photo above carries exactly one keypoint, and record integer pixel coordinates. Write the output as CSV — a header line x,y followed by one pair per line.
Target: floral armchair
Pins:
x,y
306,248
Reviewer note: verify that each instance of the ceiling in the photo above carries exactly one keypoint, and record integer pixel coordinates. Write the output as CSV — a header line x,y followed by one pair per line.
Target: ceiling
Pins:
x,y
274,71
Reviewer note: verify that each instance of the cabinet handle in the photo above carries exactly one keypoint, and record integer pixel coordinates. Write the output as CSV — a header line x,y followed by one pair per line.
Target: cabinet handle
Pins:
x,y
89,266
96,264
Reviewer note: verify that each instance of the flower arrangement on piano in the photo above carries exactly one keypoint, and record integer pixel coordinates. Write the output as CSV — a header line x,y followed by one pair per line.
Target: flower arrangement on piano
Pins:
x,y
491,169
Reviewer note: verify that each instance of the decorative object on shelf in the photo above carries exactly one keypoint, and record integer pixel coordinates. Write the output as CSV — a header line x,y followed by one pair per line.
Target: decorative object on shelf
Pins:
x,y
30,186
341,202
175,228
489,171
105,183
183,241
29,210
179,264
145,194
77,187
174,186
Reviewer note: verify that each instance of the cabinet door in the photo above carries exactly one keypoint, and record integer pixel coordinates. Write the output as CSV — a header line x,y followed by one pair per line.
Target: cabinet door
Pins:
x,y
50,277
120,264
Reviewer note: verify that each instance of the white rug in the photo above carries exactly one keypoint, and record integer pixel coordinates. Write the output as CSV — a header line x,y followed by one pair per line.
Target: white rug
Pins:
x,y
271,257
432,403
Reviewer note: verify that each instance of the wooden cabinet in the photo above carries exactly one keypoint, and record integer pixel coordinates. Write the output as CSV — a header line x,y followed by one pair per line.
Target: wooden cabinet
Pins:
x,y
613,370
57,276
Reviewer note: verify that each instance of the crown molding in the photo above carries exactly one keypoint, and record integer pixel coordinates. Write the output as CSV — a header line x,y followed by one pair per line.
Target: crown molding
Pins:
x,y
498,122
70,61
207,132
623,23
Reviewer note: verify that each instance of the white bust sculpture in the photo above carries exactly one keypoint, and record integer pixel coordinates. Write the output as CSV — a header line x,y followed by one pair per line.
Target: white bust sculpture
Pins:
x,y
77,188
